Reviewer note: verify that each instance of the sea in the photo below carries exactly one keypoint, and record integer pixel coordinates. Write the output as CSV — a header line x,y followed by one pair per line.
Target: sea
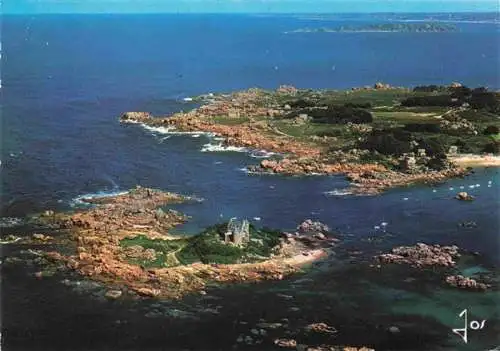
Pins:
x,y
66,79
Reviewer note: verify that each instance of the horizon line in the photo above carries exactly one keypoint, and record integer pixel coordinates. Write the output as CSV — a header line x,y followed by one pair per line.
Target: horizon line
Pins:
x,y
245,13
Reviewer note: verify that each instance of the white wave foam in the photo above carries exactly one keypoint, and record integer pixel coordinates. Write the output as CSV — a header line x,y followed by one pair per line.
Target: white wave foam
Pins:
x,y
247,171
9,222
338,192
80,200
195,198
262,154
165,138
159,130
221,148
188,99
168,130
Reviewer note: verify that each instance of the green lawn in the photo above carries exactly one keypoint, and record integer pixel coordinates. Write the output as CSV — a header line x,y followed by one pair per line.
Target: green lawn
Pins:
x,y
206,247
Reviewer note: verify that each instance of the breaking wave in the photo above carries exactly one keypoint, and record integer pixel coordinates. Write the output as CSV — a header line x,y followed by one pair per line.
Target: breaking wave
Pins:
x,y
338,192
221,148
9,222
262,154
80,200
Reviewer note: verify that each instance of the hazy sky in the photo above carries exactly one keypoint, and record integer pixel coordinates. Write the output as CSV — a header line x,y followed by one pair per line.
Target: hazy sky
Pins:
x,y
301,6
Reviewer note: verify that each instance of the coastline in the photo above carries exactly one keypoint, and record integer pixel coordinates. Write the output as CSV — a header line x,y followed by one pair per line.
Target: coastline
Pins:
x,y
471,160
242,119
99,233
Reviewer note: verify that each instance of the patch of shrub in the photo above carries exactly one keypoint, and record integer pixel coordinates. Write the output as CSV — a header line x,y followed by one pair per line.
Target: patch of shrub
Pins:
x,y
435,147
301,103
479,90
422,127
489,130
485,100
388,142
428,88
333,133
341,115
358,105
433,100
492,147
460,92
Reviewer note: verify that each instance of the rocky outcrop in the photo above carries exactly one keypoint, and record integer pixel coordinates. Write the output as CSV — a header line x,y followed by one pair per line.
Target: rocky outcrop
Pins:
x,y
321,328
136,117
305,166
422,255
463,196
467,283
381,86
308,227
453,124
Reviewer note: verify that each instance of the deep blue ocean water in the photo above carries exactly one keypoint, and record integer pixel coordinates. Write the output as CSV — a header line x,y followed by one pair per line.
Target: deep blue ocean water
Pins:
x,y
66,80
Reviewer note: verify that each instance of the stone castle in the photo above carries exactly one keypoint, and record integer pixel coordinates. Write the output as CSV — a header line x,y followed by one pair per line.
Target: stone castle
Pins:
x,y
238,232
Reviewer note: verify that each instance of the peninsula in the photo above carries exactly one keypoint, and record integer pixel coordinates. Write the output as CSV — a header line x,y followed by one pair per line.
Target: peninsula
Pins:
x,y
379,137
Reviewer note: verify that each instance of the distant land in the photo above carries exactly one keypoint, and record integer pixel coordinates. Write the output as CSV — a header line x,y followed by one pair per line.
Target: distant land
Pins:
x,y
385,27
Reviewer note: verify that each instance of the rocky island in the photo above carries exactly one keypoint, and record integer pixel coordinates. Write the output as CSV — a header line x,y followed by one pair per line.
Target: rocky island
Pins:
x,y
429,27
124,241
379,137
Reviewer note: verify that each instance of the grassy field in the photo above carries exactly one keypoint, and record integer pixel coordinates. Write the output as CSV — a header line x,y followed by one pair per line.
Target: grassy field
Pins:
x,y
206,247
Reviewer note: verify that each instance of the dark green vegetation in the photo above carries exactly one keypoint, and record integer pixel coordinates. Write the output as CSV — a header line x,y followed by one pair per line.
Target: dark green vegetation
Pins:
x,y
206,247
386,123
385,27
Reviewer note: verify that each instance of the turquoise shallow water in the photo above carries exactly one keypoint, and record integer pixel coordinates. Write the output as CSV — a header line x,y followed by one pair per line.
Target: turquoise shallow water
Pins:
x,y
67,79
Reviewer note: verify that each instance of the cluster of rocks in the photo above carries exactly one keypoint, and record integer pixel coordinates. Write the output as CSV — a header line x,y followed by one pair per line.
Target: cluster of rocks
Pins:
x,y
422,255
293,345
419,162
136,117
41,237
140,253
321,328
303,166
455,125
312,228
375,182
358,128
462,282
283,337
287,89
376,86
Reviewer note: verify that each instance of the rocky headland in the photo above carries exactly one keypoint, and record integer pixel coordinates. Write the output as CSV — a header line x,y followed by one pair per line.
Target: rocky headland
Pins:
x,y
379,137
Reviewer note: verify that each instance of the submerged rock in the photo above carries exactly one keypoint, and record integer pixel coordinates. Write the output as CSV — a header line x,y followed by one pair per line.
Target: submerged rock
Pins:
x,y
286,343
113,294
320,328
42,237
462,282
